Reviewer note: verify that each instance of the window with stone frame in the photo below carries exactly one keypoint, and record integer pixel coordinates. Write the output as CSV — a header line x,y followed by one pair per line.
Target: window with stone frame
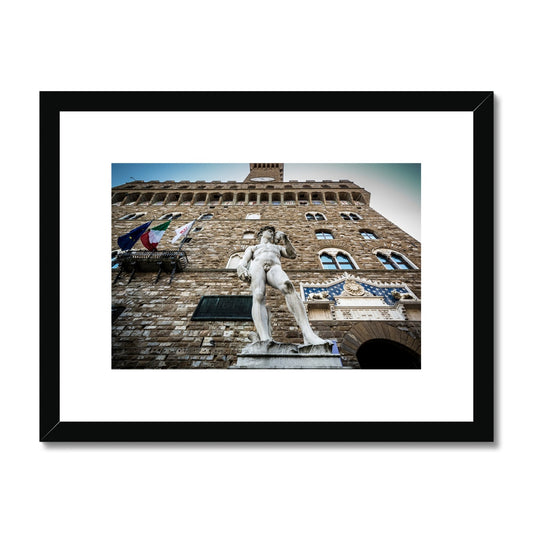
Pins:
x,y
170,216
368,235
132,216
323,234
350,216
314,216
335,259
392,260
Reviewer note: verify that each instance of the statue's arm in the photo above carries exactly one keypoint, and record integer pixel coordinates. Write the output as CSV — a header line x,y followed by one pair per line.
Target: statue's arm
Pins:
x,y
242,268
286,247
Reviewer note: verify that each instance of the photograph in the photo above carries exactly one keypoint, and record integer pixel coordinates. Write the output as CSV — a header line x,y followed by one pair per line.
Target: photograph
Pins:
x,y
266,266
285,270
207,344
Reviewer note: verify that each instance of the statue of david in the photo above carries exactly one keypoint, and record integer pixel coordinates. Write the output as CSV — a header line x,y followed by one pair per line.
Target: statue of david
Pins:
x,y
261,266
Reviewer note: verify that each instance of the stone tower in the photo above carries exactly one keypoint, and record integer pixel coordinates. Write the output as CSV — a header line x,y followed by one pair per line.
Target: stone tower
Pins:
x,y
265,172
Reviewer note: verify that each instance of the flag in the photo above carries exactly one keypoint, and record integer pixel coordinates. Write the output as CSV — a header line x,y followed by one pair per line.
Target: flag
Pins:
x,y
151,238
127,241
182,231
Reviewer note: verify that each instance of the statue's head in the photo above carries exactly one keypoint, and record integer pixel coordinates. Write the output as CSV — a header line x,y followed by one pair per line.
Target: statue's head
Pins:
x,y
266,228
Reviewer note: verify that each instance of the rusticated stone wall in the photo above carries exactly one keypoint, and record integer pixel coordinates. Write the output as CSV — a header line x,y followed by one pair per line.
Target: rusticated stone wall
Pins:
x,y
155,329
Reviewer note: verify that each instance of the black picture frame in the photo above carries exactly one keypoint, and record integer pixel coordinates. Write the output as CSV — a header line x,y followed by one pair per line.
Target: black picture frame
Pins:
x,y
480,429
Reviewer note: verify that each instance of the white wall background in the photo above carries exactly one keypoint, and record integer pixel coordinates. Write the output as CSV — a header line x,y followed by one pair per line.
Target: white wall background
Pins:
x,y
276,46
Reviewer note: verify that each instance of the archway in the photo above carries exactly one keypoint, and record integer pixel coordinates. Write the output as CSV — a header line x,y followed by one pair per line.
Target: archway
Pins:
x,y
387,354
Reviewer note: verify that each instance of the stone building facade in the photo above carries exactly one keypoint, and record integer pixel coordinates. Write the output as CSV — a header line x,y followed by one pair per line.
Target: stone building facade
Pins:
x,y
357,273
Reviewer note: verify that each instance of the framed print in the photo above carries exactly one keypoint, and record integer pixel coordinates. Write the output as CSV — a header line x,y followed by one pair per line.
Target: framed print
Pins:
x,y
342,293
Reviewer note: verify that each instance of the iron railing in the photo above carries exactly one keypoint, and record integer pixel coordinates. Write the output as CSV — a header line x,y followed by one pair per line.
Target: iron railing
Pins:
x,y
140,261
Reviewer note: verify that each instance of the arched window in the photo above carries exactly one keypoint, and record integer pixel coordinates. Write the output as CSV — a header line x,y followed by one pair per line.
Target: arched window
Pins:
x,y
394,260
344,262
400,262
248,235
368,235
385,261
315,216
334,259
132,216
253,216
209,216
350,216
170,216
323,234
234,260
328,262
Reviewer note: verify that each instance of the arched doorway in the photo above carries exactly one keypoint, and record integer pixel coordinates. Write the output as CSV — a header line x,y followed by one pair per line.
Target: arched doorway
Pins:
x,y
386,354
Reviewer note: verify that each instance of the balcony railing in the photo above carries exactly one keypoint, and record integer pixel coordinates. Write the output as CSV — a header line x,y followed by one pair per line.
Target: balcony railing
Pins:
x,y
169,262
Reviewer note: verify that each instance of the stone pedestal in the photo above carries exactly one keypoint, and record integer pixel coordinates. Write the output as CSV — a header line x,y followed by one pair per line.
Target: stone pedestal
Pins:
x,y
271,354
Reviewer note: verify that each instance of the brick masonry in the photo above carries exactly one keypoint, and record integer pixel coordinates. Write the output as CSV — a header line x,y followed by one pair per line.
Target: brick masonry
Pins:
x,y
155,329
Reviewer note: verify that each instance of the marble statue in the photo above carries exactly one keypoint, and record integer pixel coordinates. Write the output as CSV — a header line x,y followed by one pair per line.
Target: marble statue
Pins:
x,y
261,266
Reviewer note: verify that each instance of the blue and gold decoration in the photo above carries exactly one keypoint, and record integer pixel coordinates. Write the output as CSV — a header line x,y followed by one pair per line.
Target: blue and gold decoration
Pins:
x,y
337,289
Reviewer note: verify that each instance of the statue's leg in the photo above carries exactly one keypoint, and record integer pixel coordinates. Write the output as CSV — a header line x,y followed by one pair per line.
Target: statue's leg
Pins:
x,y
259,310
277,278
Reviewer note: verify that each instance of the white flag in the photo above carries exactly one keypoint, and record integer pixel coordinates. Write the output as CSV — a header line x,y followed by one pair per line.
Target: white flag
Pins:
x,y
180,232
